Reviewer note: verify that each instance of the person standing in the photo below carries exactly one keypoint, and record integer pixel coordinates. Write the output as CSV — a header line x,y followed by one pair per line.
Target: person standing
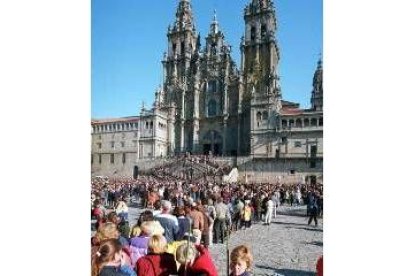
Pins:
x,y
313,208
269,210
222,213
168,221
275,199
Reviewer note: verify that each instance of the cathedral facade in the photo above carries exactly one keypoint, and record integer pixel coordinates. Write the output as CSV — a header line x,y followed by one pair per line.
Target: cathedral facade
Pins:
x,y
207,104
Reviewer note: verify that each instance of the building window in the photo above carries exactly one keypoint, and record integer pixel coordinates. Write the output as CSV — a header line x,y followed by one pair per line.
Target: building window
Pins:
x,y
174,47
113,144
259,118
313,122
123,158
112,158
253,33
298,123
284,140
313,157
214,48
263,31
212,108
100,158
99,145
151,125
298,144
320,121
212,86
146,125
284,123
292,171
306,122
291,123
122,144
91,158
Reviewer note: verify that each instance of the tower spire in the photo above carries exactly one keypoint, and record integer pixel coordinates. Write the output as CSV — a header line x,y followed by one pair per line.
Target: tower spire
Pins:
x,y
184,17
214,24
317,92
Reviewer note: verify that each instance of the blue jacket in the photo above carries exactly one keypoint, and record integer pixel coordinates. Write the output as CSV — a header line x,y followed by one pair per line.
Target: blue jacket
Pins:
x,y
170,228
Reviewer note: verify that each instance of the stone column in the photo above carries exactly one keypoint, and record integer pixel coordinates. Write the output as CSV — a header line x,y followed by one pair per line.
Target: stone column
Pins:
x,y
171,129
225,135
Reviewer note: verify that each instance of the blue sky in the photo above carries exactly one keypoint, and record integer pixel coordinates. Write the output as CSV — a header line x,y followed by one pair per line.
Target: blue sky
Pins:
x,y
129,38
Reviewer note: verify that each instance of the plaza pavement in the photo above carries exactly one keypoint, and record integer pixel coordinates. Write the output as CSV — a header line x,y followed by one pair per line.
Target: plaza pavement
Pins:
x,y
287,247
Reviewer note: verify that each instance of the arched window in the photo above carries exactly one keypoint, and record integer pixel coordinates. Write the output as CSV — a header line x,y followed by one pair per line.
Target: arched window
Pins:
x,y
212,108
320,121
306,122
284,123
214,48
263,31
182,48
174,48
211,86
151,125
253,33
259,118
291,123
314,122
298,123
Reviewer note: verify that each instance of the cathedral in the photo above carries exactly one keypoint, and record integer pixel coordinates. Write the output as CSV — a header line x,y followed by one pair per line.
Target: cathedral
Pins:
x,y
206,104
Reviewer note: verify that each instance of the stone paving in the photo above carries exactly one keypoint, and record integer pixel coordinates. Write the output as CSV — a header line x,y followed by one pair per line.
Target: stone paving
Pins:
x,y
287,247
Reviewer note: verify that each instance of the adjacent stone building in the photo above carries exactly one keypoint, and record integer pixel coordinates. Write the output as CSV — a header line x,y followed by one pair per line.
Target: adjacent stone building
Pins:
x,y
207,104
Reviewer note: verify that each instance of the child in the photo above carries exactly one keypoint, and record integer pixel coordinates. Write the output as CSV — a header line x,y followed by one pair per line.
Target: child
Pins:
x,y
241,261
109,261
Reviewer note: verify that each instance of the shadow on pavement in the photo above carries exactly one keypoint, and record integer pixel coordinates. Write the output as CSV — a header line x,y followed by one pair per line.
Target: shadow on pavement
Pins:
x,y
293,272
290,223
285,272
307,228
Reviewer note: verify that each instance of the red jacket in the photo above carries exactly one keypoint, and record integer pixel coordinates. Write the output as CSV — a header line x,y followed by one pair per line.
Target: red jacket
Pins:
x,y
319,266
156,265
203,264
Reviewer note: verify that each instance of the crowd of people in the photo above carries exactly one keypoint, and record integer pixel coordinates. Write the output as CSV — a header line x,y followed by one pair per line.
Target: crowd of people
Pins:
x,y
181,220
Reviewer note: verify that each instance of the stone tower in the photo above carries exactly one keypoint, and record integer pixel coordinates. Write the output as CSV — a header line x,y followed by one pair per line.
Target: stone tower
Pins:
x,y
178,69
261,100
317,92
